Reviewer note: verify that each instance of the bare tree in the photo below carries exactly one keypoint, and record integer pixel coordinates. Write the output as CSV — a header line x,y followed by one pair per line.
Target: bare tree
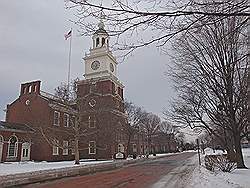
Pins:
x,y
210,73
75,131
150,125
144,22
134,118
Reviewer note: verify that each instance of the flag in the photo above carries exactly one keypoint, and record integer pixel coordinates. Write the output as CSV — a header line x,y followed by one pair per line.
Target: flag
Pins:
x,y
68,35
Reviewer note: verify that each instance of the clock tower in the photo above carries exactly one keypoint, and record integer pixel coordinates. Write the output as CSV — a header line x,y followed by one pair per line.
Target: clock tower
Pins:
x,y
101,100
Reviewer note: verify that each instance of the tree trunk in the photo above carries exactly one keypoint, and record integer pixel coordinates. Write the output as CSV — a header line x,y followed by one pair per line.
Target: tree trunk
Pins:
x,y
129,148
239,156
77,157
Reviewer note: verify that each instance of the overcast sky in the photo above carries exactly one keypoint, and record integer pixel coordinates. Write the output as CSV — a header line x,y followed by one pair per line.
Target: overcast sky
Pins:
x,y
32,47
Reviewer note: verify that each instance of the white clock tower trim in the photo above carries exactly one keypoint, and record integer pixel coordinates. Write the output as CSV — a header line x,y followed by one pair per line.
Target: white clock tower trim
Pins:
x,y
100,62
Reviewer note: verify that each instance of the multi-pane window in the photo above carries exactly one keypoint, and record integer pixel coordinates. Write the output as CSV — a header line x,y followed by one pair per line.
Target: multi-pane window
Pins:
x,y
72,121
13,146
25,152
92,121
55,148
92,147
72,145
56,118
65,147
66,120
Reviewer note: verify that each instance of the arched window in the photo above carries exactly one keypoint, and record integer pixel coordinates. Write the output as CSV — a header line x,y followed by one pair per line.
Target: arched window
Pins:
x,y
103,41
13,146
97,42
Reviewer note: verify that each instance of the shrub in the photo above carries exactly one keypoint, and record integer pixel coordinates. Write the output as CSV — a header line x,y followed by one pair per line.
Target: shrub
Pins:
x,y
220,162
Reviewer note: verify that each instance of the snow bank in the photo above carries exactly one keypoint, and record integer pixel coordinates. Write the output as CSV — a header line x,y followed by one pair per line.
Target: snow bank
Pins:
x,y
239,178
8,168
210,151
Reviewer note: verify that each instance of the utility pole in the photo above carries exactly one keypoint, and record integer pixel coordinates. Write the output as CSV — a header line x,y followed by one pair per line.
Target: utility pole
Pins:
x,y
198,148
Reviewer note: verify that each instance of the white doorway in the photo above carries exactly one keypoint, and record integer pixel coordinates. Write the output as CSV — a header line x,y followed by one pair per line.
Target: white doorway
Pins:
x,y
121,148
25,152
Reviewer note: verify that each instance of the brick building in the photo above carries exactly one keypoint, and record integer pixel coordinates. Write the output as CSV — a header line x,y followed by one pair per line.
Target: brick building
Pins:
x,y
97,114
15,141
43,112
100,97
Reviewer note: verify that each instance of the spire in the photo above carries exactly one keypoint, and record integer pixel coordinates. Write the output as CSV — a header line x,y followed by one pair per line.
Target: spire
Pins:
x,y
101,26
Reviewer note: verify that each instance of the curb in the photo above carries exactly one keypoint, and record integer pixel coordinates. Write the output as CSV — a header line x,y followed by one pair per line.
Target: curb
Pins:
x,y
48,175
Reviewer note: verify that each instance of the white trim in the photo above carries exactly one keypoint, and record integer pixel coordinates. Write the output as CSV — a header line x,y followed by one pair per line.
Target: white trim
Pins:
x,y
66,124
92,147
55,149
92,121
54,118
25,154
65,147
15,147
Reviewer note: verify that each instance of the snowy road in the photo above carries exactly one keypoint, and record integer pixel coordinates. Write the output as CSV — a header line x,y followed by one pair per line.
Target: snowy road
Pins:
x,y
162,172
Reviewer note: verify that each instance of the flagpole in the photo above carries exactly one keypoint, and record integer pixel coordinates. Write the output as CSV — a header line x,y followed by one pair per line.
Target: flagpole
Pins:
x,y
69,58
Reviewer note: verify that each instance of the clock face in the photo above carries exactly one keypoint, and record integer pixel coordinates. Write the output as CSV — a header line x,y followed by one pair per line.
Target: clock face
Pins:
x,y
92,102
95,65
111,67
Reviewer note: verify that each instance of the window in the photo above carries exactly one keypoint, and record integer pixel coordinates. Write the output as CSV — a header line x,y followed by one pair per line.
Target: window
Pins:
x,y
13,146
1,139
92,121
65,147
24,90
55,148
92,147
103,41
66,120
134,148
72,121
56,118
30,89
25,150
97,42
72,145
35,88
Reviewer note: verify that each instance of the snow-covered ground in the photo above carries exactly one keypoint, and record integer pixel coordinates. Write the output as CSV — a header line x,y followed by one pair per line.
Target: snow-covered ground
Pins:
x,y
239,178
8,168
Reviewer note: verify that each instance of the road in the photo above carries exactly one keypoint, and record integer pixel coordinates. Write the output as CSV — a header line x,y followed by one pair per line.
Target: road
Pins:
x,y
162,172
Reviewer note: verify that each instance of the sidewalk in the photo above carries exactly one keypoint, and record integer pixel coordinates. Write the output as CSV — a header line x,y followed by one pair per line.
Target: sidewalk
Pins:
x,y
179,177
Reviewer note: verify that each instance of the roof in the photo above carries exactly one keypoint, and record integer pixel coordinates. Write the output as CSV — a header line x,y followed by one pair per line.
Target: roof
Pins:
x,y
56,101
18,127
101,31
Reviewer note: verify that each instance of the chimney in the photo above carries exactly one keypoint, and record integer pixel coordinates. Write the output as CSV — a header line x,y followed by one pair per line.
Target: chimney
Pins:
x,y
30,88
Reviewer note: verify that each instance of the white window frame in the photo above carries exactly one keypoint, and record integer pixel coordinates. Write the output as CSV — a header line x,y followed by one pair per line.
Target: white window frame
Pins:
x,y
72,145
55,149
92,122
91,147
15,147
65,147
66,124
54,119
